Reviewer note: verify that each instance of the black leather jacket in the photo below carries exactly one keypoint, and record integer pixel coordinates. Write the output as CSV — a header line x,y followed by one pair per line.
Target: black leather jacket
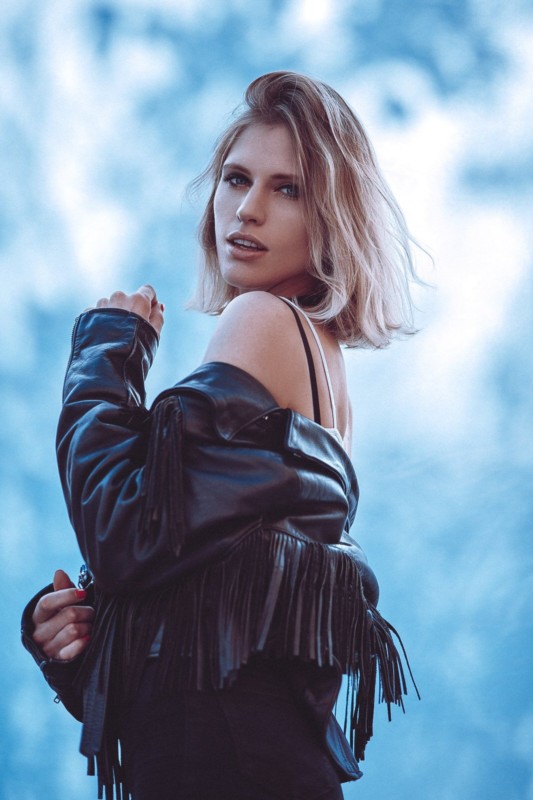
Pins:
x,y
214,481
242,458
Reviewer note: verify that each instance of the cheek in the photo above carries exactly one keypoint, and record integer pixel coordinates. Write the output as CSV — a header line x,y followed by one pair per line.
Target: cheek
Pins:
x,y
292,228
302,236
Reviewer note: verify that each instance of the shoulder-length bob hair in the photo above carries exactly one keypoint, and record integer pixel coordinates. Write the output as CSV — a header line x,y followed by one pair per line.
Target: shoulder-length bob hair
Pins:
x,y
359,244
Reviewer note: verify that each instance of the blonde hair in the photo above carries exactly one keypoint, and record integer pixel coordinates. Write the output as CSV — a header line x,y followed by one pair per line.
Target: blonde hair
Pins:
x,y
360,249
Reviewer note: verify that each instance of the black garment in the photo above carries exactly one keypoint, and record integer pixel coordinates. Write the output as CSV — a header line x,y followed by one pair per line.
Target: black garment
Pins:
x,y
250,742
223,518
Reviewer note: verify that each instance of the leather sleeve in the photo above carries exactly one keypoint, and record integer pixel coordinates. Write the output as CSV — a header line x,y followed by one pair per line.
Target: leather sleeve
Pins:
x,y
102,448
60,675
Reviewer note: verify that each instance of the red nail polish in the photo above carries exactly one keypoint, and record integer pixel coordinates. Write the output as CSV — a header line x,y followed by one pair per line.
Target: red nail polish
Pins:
x,y
81,593
162,306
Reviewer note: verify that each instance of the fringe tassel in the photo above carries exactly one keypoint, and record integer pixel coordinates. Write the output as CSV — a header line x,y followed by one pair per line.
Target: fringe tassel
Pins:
x,y
276,594
163,475
99,740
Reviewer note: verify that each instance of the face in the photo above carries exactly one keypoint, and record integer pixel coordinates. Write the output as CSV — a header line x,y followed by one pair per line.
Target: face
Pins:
x,y
261,236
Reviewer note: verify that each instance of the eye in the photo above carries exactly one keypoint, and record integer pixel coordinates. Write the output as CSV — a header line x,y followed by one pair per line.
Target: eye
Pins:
x,y
290,190
236,179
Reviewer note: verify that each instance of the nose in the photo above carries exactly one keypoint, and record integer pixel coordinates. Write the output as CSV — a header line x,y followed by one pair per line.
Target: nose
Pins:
x,y
252,208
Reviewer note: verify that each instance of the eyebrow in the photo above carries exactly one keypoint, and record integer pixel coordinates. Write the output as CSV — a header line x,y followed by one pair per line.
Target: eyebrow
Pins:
x,y
278,176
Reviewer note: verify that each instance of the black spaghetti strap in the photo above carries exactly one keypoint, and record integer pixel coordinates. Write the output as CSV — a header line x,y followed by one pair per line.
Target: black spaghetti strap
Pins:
x,y
310,363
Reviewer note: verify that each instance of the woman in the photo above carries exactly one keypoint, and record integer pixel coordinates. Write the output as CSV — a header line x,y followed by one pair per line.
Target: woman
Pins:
x,y
229,597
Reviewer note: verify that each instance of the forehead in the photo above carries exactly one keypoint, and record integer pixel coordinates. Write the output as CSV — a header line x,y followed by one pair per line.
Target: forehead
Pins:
x,y
265,147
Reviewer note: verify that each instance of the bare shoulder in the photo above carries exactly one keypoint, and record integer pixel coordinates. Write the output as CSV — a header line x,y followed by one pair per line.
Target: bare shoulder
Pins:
x,y
256,332
257,314
260,306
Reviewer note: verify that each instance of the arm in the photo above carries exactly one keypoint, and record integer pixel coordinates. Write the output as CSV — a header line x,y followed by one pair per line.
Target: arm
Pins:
x,y
102,449
102,441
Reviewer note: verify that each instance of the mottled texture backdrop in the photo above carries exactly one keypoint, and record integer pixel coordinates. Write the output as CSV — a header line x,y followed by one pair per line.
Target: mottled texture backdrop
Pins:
x,y
107,110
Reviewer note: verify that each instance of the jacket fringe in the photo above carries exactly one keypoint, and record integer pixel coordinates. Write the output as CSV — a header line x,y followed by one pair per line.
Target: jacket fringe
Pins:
x,y
163,476
274,593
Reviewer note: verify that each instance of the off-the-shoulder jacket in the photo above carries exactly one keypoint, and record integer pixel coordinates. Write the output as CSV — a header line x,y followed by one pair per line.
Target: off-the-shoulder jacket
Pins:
x,y
216,528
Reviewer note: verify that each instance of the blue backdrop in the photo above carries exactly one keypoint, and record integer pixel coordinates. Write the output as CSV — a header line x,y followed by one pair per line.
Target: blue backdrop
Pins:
x,y
107,110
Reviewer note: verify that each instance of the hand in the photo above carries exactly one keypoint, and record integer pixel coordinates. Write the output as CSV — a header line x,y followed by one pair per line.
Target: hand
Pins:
x,y
62,627
143,302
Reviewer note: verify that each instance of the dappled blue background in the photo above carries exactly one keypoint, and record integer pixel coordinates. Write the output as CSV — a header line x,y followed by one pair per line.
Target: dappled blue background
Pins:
x,y
107,110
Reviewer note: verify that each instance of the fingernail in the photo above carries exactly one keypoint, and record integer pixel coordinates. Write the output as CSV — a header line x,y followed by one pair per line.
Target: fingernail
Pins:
x,y
81,593
162,306
87,637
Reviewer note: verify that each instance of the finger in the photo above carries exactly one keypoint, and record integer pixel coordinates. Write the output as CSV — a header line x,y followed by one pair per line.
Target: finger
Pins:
x,y
73,650
119,300
65,638
156,317
102,303
65,627
62,580
46,632
53,602
148,292
142,301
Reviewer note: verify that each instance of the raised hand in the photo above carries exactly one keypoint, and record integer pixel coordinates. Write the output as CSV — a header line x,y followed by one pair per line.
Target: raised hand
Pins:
x,y
143,302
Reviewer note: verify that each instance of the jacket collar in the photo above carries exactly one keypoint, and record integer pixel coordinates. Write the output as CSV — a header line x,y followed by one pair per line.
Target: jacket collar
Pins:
x,y
238,399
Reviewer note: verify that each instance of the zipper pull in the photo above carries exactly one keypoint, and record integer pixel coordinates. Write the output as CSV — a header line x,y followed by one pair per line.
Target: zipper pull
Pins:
x,y
85,578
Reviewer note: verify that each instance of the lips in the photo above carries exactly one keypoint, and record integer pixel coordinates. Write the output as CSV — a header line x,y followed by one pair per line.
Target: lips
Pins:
x,y
246,241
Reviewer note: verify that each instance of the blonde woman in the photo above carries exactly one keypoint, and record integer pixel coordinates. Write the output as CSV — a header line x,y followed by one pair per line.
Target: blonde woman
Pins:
x,y
229,597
